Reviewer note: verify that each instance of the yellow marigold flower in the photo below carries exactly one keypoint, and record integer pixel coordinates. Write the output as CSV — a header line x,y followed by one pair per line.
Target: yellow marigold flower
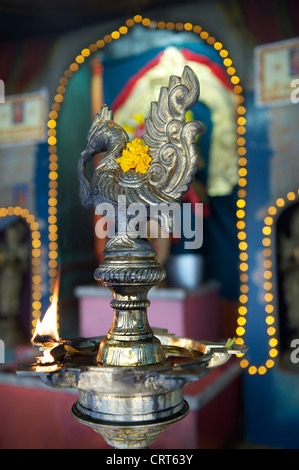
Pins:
x,y
135,157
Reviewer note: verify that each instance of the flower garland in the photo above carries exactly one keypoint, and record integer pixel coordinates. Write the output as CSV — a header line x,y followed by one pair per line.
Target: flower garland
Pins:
x,y
135,157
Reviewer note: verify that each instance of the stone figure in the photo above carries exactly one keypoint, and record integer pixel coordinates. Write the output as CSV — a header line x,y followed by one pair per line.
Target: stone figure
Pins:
x,y
14,259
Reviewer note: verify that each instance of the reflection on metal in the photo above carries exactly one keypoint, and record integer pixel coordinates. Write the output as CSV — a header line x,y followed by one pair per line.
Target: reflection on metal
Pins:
x,y
130,406
130,382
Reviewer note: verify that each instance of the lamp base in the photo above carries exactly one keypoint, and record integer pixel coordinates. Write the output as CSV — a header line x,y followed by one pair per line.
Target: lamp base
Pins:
x,y
137,435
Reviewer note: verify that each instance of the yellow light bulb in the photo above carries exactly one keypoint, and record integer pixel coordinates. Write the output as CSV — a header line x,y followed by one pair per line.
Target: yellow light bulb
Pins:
x,y
266,230
242,236
231,70
269,308
266,241
239,341
240,214
170,26
267,252
240,331
291,196
269,363
242,310
223,53
51,123
218,46
271,331
243,246
197,29
242,182
242,172
241,121
262,370
267,285
243,299
280,202
270,320
244,288
235,79
243,266
267,274
52,140
273,352
85,52
242,151
244,363
80,59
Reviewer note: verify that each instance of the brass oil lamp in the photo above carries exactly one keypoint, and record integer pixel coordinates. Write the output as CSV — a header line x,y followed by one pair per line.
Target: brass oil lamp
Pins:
x,y
130,383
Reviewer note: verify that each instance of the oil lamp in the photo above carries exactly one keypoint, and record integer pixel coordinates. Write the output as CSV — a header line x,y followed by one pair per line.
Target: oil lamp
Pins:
x,y
46,335
130,382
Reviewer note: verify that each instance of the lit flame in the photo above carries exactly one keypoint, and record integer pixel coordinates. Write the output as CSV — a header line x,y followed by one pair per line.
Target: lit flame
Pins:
x,y
46,330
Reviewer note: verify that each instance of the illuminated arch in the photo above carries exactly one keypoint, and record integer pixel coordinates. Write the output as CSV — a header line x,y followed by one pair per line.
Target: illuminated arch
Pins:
x,y
36,284
241,141
271,307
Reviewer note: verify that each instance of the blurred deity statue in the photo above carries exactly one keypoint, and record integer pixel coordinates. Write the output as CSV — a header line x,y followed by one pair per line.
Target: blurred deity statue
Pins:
x,y
289,265
14,261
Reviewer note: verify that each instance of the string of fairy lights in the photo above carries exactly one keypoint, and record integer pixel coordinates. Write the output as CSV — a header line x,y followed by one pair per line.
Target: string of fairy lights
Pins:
x,y
35,255
270,317
242,182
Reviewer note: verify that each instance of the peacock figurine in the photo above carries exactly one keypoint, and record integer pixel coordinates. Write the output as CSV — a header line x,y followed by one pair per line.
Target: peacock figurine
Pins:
x,y
155,170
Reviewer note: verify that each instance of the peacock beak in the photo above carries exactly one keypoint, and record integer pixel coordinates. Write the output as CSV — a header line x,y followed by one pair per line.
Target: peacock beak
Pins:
x,y
86,153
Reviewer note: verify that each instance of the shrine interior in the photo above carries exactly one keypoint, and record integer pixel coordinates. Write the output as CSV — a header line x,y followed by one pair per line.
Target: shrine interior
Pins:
x,y
233,275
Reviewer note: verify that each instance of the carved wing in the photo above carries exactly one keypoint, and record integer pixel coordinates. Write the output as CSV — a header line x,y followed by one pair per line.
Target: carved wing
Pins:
x,y
171,139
